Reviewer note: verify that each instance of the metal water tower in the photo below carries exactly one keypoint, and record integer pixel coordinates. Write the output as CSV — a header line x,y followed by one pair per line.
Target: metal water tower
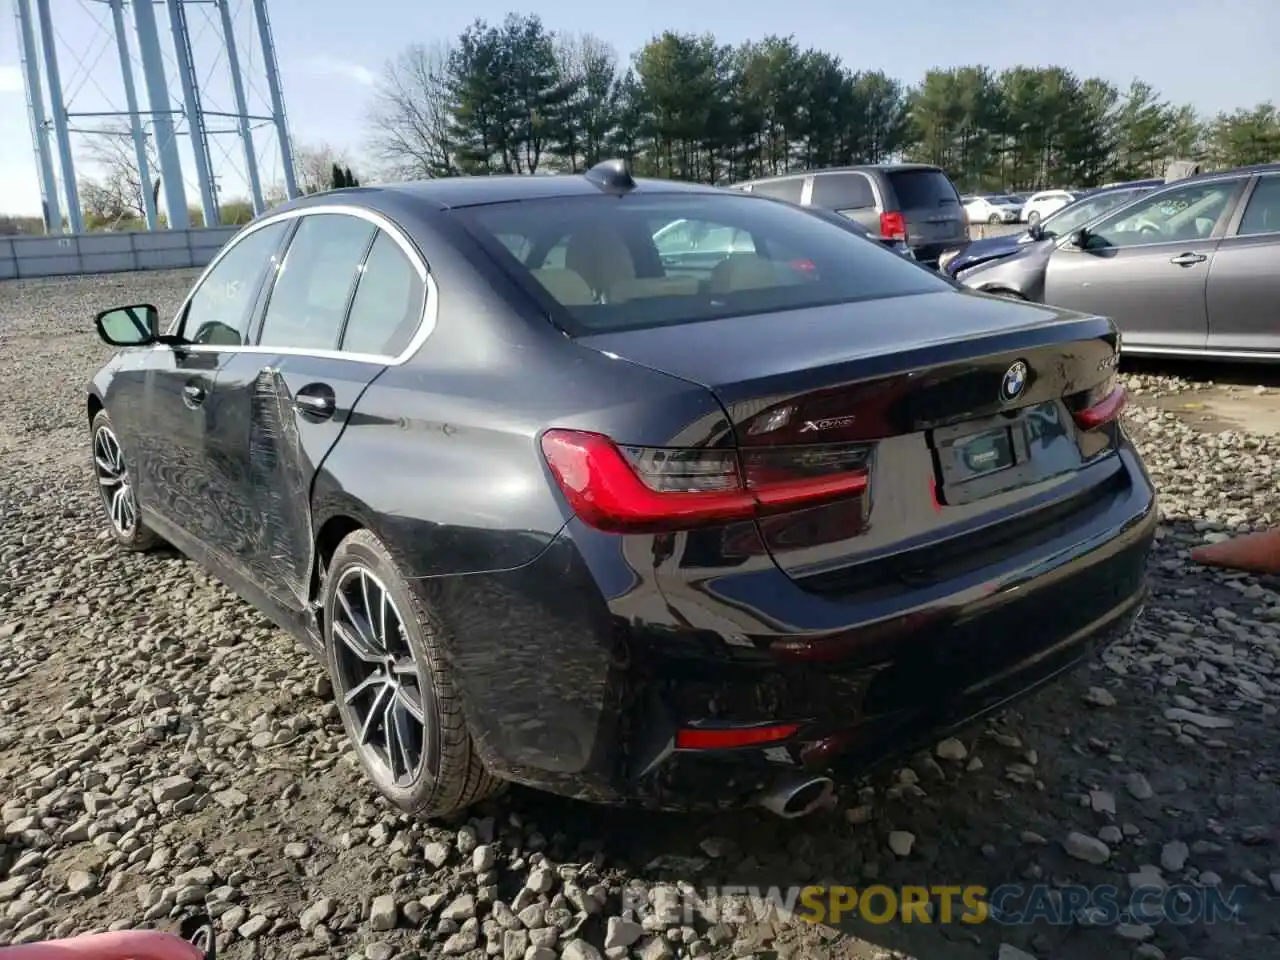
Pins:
x,y
232,57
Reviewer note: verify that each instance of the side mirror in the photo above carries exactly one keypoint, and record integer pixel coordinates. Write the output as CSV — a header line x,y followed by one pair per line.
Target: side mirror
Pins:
x,y
134,326
1035,231
1079,239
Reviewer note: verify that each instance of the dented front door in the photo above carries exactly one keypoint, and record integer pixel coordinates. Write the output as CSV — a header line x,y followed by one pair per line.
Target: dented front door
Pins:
x,y
276,418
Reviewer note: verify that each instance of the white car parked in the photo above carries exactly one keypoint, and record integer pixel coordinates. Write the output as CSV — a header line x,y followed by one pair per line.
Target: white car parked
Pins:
x,y
1044,203
994,208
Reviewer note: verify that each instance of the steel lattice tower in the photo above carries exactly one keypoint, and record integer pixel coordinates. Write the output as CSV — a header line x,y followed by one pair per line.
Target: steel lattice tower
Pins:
x,y
160,125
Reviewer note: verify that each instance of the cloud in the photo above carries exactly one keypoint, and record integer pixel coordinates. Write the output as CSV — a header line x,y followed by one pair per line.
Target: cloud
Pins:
x,y
334,67
10,79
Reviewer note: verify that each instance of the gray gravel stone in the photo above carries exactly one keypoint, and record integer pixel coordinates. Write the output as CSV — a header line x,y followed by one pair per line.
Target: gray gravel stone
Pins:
x,y
1083,847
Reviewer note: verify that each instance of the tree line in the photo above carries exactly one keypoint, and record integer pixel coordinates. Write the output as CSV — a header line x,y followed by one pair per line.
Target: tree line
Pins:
x,y
517,97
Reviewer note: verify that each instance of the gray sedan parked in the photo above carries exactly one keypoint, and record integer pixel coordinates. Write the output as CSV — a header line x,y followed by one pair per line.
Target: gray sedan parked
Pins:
x,y
1191,269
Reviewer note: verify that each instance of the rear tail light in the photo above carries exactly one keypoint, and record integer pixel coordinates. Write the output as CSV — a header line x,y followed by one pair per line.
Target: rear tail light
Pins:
x,y
1102,406
893,226
728,738
627,489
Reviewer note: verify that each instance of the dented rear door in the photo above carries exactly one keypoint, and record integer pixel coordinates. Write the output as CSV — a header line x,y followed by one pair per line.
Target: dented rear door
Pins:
x,y
274,419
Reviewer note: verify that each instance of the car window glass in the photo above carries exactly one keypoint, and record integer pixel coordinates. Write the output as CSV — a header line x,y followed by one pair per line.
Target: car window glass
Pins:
x,y
1262,215
1183,213
1076,215
657,259
790,189
922,189
842,191
221,307
388,303
674,238
309,298
519,246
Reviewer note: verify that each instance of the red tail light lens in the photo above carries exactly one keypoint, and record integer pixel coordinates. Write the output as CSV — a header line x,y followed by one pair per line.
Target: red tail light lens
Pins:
x,y
727,738
1104,410
627,489
893,226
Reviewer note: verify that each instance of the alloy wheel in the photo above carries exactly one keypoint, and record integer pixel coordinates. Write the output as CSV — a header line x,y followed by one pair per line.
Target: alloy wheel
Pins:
x,y
114,483
379,684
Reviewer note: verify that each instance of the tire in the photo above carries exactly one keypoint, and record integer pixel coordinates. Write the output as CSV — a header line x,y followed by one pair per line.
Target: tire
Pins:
x,y
995,218
1033,218
446,775
118,496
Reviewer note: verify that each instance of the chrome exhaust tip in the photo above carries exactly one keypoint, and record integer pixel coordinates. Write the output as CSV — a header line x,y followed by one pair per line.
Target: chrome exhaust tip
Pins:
x,y
794,797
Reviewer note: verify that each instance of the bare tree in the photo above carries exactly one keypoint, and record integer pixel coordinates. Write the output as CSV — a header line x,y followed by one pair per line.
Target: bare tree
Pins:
x,y
410,125
588,70
313,166
119,191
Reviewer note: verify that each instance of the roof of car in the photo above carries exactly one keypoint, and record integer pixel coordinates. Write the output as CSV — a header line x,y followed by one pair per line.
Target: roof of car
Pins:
x,y
452,192
882,167
1213,174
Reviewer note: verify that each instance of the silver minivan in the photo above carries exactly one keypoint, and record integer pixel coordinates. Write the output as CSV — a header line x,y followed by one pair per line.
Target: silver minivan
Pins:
x,y
913,202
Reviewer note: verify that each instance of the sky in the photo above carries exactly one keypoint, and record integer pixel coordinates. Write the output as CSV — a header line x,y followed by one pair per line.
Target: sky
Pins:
x,y
331,53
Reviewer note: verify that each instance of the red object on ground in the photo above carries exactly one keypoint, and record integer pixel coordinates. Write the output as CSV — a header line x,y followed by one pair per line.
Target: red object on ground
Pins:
x,y
122,945
1253,553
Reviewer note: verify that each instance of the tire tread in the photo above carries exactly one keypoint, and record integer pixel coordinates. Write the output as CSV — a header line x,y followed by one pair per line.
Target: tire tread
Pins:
x,y
144,539
461,779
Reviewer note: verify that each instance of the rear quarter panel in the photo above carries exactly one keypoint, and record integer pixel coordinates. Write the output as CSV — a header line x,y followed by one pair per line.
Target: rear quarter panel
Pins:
x,y
441,455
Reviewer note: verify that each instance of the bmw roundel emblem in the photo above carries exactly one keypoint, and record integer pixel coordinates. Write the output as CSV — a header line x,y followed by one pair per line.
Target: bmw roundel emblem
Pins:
x,y
1014,382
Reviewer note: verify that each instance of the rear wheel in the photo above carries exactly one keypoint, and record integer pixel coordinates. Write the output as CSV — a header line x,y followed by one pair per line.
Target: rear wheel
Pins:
x,y
994,218
1033,218
116,489
393,687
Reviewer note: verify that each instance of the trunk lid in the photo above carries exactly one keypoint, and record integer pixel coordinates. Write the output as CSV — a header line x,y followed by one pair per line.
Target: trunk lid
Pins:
x,y
915,382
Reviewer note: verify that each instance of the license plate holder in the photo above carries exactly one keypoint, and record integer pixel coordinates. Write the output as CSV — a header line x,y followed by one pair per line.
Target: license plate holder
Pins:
x,y
982,453
976,460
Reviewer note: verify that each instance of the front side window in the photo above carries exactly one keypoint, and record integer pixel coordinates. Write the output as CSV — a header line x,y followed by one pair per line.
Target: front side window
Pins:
x,y
1262,215
388,304
310,296
658,259
1076,215
1185,213
221,308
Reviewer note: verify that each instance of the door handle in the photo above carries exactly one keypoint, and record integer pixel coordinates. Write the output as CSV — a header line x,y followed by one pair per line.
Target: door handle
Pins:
x,y
1187,259
316,401
193,394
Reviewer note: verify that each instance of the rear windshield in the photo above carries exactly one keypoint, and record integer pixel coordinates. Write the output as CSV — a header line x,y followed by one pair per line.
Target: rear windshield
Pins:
x,y
619,263
921,188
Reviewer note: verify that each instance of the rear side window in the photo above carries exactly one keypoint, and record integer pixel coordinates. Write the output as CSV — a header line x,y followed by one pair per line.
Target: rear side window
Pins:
x,y
789,190
605,264
917,189
309,299
388,304
843,191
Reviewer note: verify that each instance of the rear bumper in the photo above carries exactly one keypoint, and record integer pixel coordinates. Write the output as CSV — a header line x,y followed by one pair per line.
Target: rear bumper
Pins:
x,y
577,669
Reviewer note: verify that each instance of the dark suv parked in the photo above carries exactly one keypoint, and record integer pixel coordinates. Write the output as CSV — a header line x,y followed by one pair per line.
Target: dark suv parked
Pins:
x,y
913,202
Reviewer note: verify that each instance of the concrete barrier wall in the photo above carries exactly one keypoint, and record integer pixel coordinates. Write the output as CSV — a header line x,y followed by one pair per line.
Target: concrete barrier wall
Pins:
x,y
58,256
70,254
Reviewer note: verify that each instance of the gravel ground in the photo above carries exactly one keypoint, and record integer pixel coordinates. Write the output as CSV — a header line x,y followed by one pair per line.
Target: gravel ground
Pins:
x,y
161,746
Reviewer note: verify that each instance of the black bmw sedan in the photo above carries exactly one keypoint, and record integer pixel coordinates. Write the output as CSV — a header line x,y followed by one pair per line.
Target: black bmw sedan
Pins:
x,y
562,505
